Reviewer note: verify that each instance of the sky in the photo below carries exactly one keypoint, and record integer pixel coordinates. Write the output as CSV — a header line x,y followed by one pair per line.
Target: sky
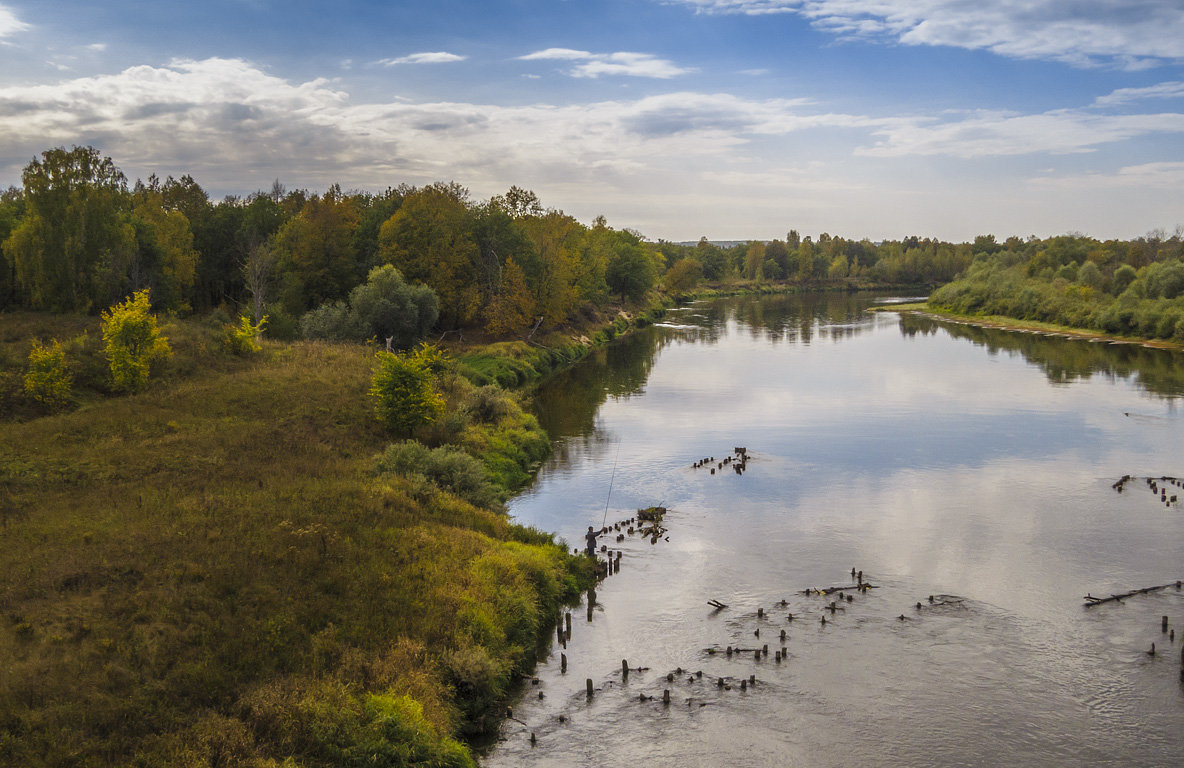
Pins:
x,y
730,119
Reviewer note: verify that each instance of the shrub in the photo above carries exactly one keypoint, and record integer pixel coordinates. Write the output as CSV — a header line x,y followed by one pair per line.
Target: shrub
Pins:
x,y
48,380
132,342
332,321
404,393
387,307
448,468
243,339
490,404
324,723
384,307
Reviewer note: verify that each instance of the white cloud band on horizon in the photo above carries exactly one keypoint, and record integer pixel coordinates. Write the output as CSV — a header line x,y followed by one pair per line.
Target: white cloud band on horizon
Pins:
x,y
625,63
1124,33
236,127
426,57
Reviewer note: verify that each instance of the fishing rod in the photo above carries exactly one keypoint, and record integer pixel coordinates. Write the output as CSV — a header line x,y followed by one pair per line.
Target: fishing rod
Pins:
x,y
610,486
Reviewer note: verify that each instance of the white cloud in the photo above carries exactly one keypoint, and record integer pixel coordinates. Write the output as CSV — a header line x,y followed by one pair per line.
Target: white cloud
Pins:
x,y
718,163
620,63
427,57
97,47
1162,175
995,134
9,23
1170,90
1127,33
226,118
562,54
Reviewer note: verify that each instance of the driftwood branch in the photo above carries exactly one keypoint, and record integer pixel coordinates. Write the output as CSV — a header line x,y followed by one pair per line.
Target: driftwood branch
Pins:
x,y
829,590
1091,600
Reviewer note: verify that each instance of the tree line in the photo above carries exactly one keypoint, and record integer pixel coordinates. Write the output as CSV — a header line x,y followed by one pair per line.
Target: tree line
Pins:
x,y
1133,287
76,237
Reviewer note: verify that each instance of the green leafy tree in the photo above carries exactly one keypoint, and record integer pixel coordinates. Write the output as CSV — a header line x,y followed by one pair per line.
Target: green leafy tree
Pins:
x,y
132,342
754,257
1123,277
1089,274
385,307
630,270
165,256
404,393
12,209
73,245
316,251
430,240
388,308
48,380
684,275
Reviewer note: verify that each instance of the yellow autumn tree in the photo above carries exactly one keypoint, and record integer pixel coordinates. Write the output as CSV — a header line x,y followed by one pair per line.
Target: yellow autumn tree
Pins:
x,y
132,342
512,307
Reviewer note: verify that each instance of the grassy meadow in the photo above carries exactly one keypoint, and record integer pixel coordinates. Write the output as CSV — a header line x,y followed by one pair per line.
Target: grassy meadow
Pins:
x,y
216,572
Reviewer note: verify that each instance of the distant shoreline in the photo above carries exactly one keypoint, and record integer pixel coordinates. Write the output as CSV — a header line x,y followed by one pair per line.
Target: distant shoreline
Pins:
x,y
1005,323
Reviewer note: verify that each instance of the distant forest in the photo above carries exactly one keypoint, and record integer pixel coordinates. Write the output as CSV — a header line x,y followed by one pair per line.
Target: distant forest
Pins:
x,y
77,238
1131,288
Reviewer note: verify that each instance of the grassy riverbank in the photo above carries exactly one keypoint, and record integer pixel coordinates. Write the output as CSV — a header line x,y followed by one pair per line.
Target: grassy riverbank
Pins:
x,y
1029,326
212,572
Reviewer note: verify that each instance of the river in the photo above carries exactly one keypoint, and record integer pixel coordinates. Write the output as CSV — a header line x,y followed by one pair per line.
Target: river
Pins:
x,y
972,465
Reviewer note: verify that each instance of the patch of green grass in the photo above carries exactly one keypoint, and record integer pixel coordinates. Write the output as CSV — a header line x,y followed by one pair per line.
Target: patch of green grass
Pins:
x,y
209,572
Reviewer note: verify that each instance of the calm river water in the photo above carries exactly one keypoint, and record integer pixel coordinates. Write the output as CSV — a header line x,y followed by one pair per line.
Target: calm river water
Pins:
x,y
968,464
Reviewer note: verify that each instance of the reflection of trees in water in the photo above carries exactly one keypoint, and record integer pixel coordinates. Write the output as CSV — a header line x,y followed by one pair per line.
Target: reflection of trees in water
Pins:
x,y
801,318
567,403
1063,360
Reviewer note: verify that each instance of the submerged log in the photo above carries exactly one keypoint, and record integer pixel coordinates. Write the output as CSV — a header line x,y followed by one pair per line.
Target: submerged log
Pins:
x,y
1091,600
829,590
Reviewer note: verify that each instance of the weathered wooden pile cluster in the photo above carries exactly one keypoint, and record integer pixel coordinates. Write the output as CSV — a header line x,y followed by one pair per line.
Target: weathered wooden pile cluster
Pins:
x,y
1157,485
738,461
700,690
1164,624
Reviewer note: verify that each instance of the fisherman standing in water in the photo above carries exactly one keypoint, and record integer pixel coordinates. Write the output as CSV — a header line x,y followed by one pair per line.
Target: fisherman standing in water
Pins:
x,y
590,537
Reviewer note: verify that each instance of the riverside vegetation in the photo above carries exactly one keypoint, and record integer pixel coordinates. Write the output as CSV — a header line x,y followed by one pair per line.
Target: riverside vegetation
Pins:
x,y
266,528
1113,287
237,566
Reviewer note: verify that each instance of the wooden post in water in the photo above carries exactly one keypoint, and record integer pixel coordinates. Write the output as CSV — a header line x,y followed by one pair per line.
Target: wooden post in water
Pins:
x,y
1163,624
567,621
588,685
625,669
666,697
563,663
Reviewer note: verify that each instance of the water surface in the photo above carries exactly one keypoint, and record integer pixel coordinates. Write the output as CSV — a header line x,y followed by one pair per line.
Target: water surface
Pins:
x,y
939,459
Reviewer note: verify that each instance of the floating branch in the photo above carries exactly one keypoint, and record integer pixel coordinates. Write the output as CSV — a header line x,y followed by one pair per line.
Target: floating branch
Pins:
x,y
717,605
829,590
1091,601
